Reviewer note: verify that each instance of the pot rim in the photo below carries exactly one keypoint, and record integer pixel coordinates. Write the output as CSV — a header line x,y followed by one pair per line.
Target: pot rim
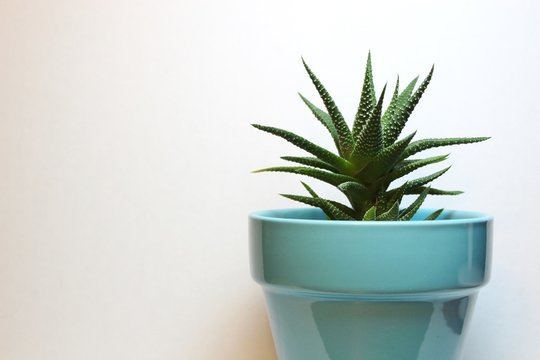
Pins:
x,y
450,217
296,249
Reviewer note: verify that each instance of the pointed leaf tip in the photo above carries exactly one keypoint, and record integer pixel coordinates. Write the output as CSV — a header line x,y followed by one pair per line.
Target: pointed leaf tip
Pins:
x,y
434,215
344,135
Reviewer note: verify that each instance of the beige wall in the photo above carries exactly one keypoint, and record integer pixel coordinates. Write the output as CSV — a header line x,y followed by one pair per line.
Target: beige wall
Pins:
x,y
125,154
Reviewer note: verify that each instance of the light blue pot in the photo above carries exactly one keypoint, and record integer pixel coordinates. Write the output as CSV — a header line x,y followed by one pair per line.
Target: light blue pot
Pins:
x,y
351,290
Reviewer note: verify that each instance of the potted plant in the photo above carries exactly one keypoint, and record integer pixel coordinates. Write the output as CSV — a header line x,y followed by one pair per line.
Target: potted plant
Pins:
x,y
371,280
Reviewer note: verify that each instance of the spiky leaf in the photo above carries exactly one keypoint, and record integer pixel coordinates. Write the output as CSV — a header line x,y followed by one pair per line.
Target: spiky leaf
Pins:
x,y
320,152
368,100
434,215
311,161
369,141
391,109
409,212
309,190
398,122
398,107
342,129
410,167
352,186
426,179
329,209
324,118
391,214
432,191
325,176
386,159
389,198
371,214
355,192
424,144
369,158
344,208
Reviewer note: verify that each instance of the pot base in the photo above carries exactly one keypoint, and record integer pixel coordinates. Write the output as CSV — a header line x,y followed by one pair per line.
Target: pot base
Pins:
x,y
327,328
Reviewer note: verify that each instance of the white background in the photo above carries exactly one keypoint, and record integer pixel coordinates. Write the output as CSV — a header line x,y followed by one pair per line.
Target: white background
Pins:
x,y
126,151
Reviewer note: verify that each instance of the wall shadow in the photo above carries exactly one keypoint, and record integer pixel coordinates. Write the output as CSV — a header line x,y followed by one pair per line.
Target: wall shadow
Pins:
x,y
246,335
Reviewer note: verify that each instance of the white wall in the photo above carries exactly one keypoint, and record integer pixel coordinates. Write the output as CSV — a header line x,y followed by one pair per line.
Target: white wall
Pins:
x,y
125,151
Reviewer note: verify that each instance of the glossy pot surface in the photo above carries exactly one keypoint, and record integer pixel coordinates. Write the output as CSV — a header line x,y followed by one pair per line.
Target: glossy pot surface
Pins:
x,y
340,290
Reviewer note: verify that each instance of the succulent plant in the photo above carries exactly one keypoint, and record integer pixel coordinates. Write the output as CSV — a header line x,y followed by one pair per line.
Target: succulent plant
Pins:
x,y
370,157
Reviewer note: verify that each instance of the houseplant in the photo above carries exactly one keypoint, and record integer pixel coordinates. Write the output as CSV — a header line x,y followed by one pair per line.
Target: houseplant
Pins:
x,y
372,280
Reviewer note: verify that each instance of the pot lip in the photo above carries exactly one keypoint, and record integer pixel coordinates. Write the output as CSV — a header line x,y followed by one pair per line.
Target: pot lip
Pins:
x,y
276,216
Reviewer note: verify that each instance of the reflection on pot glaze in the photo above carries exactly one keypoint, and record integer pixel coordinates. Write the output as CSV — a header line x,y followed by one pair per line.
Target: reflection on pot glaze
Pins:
x,y
454,312
354,329
367,326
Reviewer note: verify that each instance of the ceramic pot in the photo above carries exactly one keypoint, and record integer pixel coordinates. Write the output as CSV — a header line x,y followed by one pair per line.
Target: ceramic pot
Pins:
x,y
352,290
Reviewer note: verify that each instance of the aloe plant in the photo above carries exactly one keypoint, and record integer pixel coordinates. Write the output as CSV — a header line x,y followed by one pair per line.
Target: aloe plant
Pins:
x,y
370,156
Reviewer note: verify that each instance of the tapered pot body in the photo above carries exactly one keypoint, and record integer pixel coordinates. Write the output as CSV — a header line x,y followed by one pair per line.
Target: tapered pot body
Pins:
x,y
348,290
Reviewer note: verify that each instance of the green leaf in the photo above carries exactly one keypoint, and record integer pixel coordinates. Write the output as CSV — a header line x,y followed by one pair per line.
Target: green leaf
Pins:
x,y
391,214
311,161
321,153
398,122
432,191
426,179
344,208
324,118
343,131
352,187
329,209
409,212
434,215
325,176
386,159
355,192
392,196
371,214
370,156
424,144
391,109
398,106
405,162
368,100
407,92
310,190
410,167
369,141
